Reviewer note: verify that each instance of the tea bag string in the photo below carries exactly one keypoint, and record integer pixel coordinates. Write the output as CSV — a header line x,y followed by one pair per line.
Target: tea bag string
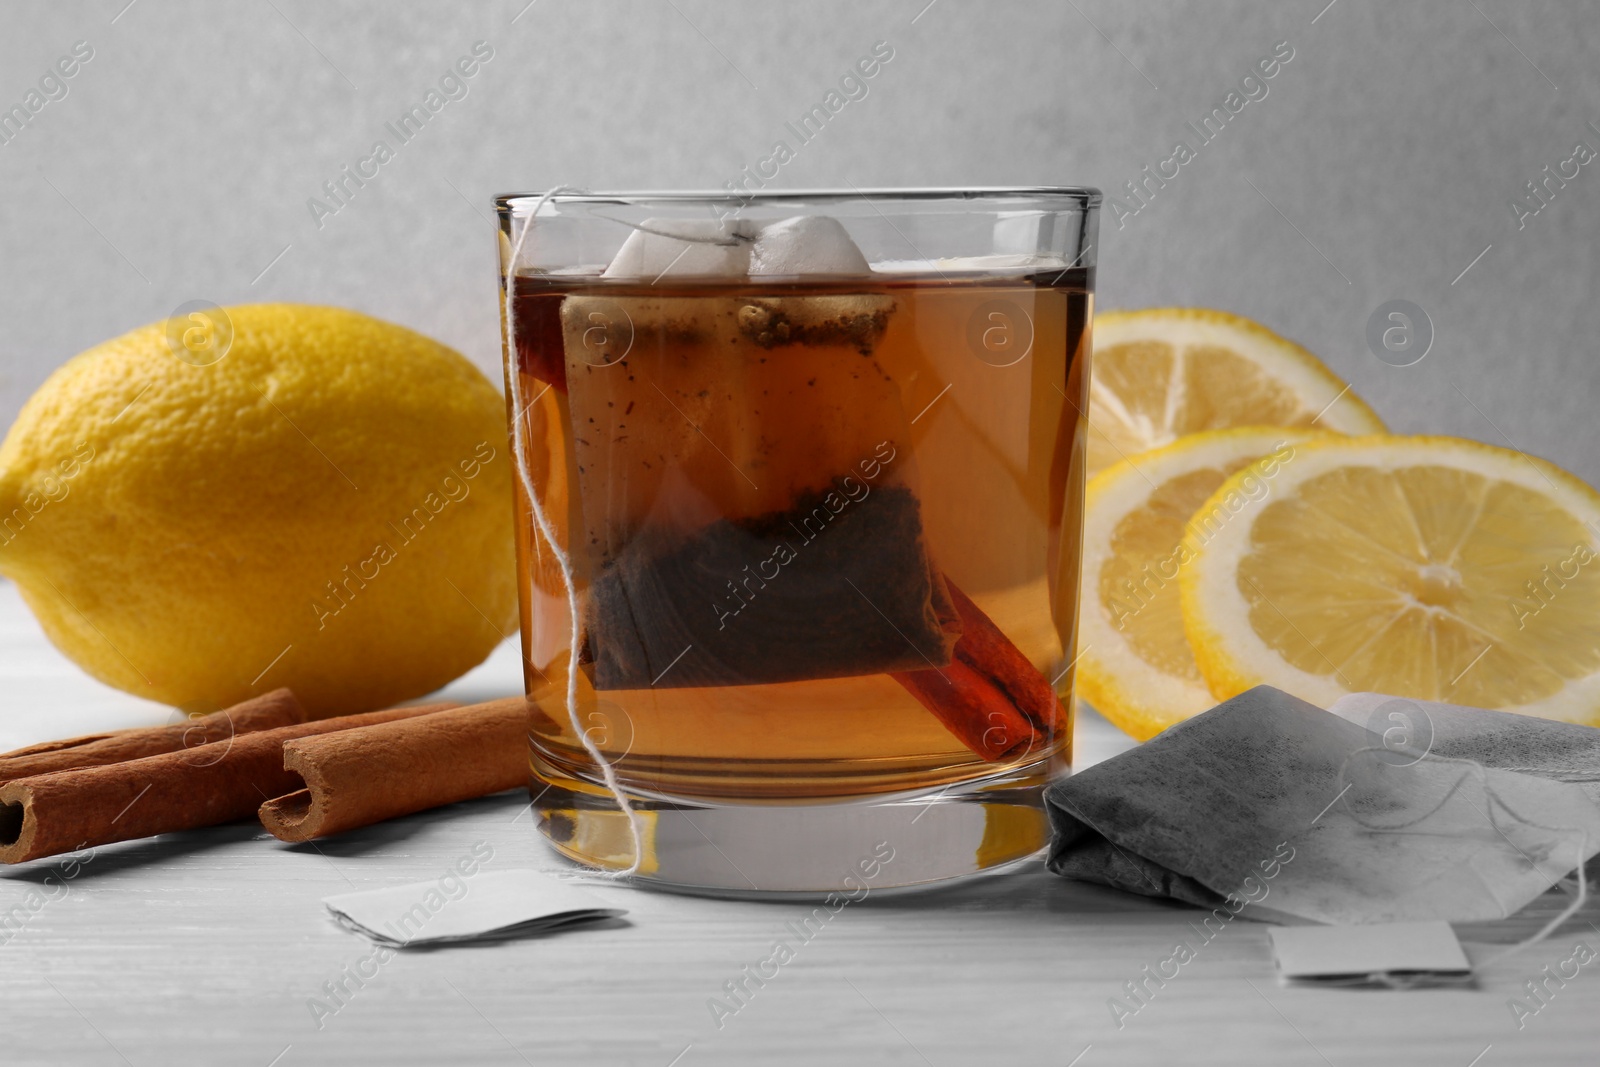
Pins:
x,y
1397,980
731,239
563,561
1476,770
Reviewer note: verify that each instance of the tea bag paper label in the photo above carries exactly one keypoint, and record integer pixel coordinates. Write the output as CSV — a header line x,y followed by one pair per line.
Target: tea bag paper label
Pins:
x,y
1334,952
495,904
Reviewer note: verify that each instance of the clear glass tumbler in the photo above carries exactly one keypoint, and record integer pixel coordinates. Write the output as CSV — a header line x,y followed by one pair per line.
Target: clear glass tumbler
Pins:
x,y
798,515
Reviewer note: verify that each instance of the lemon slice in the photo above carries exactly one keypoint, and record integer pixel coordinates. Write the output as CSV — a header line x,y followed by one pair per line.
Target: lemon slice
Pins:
x,y
1161,373
1135,667
1426,567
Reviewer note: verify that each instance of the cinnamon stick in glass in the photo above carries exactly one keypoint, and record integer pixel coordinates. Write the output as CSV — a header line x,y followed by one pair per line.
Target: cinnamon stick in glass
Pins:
x,y
48,814
354,778
990,695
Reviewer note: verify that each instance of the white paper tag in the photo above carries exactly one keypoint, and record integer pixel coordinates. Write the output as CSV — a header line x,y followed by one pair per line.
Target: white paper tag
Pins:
x,y
1380,953
493,904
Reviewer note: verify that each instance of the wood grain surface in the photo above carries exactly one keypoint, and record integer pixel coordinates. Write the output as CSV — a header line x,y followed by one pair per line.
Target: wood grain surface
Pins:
x,y
212,947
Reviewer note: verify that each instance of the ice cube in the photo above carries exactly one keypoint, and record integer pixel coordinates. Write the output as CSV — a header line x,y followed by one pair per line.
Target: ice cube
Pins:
x,y
707,248
806,244
1017,232
681,248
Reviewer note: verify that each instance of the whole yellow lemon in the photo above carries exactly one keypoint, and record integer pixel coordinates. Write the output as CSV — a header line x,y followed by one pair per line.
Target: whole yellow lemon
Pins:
x,y
243,498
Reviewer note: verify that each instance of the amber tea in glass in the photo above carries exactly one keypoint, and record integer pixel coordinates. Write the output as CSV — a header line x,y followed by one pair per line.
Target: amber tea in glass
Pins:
x,y
806,472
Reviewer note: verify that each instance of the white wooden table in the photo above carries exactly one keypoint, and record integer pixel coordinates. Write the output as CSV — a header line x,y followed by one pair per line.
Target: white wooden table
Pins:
x,y
209,947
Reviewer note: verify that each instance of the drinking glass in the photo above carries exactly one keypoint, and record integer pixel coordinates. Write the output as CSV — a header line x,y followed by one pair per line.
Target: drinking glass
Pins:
x,y
798,514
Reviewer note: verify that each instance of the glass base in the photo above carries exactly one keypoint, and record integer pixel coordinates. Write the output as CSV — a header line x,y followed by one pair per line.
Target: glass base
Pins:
x,y
804,851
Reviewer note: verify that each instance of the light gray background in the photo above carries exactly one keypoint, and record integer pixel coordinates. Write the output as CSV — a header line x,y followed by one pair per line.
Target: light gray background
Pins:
x,y
178,168
180,164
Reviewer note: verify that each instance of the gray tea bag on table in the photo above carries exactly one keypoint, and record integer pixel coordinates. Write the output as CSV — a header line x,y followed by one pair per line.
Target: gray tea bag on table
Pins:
x,y
1545,748
1270,804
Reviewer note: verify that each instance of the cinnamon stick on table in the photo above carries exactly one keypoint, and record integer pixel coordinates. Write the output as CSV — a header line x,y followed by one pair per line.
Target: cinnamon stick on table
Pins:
x,y
214,783
358,777
266,712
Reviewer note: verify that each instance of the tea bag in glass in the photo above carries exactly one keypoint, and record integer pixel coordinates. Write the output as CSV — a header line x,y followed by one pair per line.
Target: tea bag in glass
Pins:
x,y
746,493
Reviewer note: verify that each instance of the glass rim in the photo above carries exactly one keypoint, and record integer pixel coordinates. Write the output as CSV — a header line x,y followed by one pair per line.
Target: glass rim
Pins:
x,y
1072,197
